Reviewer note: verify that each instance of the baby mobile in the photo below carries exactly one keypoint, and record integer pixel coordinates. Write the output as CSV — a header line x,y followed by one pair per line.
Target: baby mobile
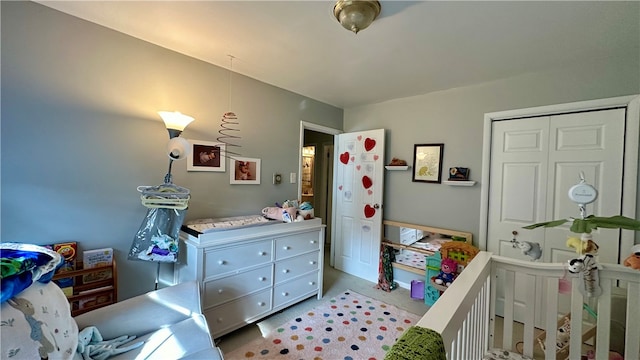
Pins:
x,y
585,264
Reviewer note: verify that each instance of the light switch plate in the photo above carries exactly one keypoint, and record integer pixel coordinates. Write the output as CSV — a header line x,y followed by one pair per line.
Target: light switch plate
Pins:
x,y
292,178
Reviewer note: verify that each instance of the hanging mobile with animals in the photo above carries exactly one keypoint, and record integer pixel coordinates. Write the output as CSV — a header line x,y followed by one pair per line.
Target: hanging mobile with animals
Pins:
x,y
585,264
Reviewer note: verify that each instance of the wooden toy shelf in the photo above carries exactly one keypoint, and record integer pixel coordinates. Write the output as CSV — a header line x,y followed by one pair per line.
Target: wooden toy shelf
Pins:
x,y
404,236
92,295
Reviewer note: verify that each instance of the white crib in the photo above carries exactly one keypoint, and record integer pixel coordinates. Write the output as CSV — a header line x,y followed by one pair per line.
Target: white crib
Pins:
x,y
466,314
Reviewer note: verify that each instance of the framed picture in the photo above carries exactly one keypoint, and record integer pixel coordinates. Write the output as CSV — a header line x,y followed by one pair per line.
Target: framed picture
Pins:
x,y
244,170
427,162
206,156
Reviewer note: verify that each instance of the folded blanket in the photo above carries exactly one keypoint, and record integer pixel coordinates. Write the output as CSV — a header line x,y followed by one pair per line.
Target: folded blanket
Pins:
x,y
418,343
92,347
23,264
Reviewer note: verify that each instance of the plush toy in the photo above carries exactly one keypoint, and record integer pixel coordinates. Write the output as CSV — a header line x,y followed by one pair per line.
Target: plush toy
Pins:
x,y
447,273
531,249
633,260
583,245
563,334
587,268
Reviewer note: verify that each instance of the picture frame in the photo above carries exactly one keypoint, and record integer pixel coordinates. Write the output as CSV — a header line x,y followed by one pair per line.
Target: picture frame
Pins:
x,y
245,171
206,156
427,163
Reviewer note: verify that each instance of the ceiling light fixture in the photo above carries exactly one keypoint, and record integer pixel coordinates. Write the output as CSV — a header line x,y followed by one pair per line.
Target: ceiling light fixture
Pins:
x,y
356,15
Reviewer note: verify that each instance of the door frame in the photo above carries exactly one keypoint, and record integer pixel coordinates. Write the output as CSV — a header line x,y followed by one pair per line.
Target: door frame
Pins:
x,y
305,125
631,138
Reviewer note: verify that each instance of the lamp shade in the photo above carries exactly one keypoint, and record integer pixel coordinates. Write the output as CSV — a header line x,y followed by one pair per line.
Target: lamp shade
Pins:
x,y
175,120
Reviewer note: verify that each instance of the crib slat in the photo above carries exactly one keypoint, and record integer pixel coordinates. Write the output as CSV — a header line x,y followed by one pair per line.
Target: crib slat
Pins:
x,y
509,289
632,336
551,318
529,315
575,342
604,320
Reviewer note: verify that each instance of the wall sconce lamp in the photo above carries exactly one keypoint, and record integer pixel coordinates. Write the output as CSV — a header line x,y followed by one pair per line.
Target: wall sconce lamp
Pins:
x,y
178,148
356,15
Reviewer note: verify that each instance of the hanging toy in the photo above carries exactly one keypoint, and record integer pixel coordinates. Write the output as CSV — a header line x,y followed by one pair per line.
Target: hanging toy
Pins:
x,y
531,249
587,268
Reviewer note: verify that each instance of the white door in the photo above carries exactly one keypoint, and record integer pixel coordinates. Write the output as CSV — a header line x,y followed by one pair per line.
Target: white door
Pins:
x,y
534,162
357,193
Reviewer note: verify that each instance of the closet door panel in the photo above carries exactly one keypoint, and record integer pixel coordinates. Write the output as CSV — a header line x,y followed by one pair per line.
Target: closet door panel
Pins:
x,y
591,143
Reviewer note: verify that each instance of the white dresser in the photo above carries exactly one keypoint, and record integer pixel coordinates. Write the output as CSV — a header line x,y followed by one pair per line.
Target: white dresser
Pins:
x,y
248,273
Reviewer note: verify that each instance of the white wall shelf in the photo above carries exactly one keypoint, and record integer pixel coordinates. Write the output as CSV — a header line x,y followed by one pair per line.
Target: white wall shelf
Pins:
x,y
397,168
459,183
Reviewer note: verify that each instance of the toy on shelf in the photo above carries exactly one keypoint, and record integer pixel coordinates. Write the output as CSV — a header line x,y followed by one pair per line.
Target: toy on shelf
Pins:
x,y
448,268
431,293
444,267
633,260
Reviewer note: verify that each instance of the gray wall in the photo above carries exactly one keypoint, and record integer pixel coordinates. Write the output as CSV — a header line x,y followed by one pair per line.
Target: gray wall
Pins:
x,y
80,132
455,117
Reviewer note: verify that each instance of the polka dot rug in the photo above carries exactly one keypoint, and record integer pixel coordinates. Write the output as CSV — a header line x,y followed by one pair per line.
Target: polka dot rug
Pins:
x,y
348,327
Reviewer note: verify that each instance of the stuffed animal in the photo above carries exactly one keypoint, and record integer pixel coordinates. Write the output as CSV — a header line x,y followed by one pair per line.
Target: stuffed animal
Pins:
x,y
586,246
447,273
587,268
531,249
563,334
633,260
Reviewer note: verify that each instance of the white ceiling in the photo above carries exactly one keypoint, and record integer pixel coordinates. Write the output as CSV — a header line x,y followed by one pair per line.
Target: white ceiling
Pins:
x,y
413,48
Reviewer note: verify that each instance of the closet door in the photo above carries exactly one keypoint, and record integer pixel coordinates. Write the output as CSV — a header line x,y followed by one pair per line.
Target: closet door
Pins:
x,y
535,161
591,143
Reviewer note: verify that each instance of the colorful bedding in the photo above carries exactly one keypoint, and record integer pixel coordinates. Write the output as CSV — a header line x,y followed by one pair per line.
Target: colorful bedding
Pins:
x,y
23,264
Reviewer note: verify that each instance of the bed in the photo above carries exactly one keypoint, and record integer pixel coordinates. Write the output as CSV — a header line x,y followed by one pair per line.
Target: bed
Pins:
x,y
474,315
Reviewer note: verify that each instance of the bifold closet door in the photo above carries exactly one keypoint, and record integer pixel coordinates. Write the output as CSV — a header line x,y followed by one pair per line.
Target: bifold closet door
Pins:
x,y
534,162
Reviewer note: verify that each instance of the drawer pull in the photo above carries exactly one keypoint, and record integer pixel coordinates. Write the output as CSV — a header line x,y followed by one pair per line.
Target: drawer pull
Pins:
x,y
220,320
312,241
220,291
262,253
262,278
285,294
312,262
222,262
262,303
285,271
311,283
286,247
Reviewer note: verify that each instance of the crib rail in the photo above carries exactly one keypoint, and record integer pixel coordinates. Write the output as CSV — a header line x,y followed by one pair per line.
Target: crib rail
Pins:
x,y
466,314
461,314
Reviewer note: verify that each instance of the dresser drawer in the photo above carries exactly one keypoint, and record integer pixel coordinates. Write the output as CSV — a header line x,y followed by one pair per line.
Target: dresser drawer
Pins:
x,y
235,286
286,269
238,313
221,261
292,291
296,244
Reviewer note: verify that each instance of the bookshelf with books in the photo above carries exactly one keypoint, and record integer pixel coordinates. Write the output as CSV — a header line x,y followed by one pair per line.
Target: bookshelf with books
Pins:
x,y
99,290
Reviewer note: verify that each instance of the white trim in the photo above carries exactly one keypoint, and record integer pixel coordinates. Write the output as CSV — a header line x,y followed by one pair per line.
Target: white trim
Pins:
x,y
630,180
304,125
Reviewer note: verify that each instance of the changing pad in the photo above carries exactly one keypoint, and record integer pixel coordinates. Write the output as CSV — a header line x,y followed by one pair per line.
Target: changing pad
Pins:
x,y
208,225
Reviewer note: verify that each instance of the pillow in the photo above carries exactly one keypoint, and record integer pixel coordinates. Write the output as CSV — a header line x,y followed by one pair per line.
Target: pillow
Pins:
x,y
37,324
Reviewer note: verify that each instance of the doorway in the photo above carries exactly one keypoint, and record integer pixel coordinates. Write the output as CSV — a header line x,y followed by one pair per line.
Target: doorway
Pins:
x,y
315,183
